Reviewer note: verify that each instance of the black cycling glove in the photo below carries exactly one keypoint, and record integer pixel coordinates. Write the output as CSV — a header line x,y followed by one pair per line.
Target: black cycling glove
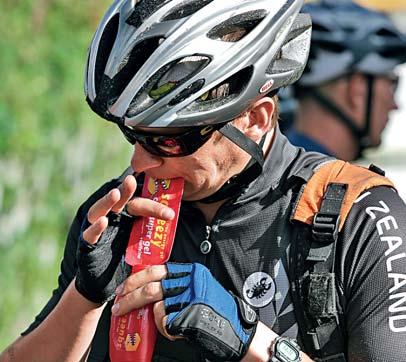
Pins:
x,y
101,267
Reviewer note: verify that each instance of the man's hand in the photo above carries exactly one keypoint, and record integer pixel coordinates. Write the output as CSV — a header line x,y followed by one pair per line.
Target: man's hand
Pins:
x,y
199,309
191,304
104,238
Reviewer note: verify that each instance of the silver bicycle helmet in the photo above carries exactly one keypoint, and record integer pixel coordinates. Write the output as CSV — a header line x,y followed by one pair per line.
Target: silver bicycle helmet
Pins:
x,y
348,38
155,63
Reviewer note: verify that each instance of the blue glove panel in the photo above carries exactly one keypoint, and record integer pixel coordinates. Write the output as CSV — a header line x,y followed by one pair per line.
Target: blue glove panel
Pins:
x,y
203,312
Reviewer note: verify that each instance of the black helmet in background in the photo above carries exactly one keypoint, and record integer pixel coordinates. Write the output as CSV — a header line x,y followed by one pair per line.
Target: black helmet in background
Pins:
x,y
346,39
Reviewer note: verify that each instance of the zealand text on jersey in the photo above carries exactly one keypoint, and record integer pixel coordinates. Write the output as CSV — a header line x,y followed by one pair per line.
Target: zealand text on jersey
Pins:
x,y
386,226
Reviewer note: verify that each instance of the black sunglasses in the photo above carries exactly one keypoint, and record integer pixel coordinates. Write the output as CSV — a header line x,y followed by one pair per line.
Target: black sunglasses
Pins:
x,y
174,145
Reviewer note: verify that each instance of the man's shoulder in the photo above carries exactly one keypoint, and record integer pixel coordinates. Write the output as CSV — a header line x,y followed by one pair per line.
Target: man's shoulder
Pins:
x,y
301,140
376,221
379,200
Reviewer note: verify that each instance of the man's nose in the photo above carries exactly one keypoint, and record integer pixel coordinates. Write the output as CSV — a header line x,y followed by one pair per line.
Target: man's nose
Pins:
x,y
394,104
142,160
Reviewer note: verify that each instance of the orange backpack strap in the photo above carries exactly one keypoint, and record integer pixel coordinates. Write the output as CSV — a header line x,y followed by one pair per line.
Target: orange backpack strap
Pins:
x,y
357,178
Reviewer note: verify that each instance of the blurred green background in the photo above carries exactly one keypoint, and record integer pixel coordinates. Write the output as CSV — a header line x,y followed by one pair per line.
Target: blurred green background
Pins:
x,y
53,151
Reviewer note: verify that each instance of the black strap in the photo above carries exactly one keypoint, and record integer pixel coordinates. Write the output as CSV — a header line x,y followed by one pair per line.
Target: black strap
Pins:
x,y
322,296
366,142
360,134
314,287
376,169
244,142
334,109
237,183
326,223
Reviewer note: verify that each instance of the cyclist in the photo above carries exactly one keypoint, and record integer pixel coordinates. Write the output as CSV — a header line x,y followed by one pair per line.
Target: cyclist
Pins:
x,y
347,90
190,84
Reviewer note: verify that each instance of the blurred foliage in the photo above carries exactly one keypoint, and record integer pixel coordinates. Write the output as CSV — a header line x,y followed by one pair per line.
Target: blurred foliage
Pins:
x,y
53,151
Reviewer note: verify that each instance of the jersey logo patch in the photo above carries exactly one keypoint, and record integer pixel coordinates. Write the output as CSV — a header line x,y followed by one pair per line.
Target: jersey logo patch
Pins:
x,y
259,289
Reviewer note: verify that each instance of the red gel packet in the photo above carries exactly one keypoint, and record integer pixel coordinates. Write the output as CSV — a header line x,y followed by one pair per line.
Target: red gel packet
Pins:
x,y
132,336
151,239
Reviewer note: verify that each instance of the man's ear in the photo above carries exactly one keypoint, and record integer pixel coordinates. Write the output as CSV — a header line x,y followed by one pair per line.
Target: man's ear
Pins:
x,y
260,118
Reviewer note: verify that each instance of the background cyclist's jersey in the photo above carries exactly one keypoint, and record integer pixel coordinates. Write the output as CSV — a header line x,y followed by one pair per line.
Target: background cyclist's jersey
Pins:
x,y
246,247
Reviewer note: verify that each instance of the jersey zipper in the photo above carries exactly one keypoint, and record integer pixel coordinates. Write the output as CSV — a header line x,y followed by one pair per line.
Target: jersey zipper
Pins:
x,y
209,228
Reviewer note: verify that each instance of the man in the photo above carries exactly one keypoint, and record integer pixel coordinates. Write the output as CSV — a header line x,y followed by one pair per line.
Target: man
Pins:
x,y
186,84
347,90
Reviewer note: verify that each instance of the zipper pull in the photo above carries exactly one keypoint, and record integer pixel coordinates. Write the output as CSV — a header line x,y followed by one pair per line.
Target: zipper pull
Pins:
x,y
206,245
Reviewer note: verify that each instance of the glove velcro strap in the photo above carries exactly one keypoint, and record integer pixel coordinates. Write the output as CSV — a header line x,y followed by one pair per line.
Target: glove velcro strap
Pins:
x,y
248,316
249,320
203,326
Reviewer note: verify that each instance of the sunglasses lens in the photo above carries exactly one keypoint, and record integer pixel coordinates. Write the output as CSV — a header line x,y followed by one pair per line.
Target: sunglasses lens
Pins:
x,y
178,145
166,146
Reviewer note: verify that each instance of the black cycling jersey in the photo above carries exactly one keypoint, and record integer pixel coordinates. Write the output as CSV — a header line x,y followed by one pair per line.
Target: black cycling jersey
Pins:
x,y
246,247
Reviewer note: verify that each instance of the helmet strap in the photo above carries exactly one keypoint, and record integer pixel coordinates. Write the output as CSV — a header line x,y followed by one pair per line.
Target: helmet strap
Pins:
x,y
244,142
361,135
368,111
235,184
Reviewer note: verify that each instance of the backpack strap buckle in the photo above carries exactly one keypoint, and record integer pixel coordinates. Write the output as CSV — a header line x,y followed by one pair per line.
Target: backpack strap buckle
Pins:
x,y
326,223
325,227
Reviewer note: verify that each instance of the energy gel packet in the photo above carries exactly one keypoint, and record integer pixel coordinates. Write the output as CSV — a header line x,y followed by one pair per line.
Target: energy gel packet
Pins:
x,y
132,336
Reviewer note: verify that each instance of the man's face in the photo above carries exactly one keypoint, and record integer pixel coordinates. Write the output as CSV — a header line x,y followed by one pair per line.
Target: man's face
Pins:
x,y
383,103
204,171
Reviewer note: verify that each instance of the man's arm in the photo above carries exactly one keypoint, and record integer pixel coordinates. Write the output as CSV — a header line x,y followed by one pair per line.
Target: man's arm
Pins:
x,y
65,335
259,349
373,275
63,330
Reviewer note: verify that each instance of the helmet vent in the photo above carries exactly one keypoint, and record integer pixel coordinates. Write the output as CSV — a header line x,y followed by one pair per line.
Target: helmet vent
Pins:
x,y
106,44
223,93
183,69
320,28
393,45
189,7
243,23
387,33
143,10
187,92
394,52
167,79
233,85
292,56
132,63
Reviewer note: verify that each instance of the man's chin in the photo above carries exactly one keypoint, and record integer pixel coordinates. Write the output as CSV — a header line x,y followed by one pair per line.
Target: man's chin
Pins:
x,y
377,143
190,193
195,195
